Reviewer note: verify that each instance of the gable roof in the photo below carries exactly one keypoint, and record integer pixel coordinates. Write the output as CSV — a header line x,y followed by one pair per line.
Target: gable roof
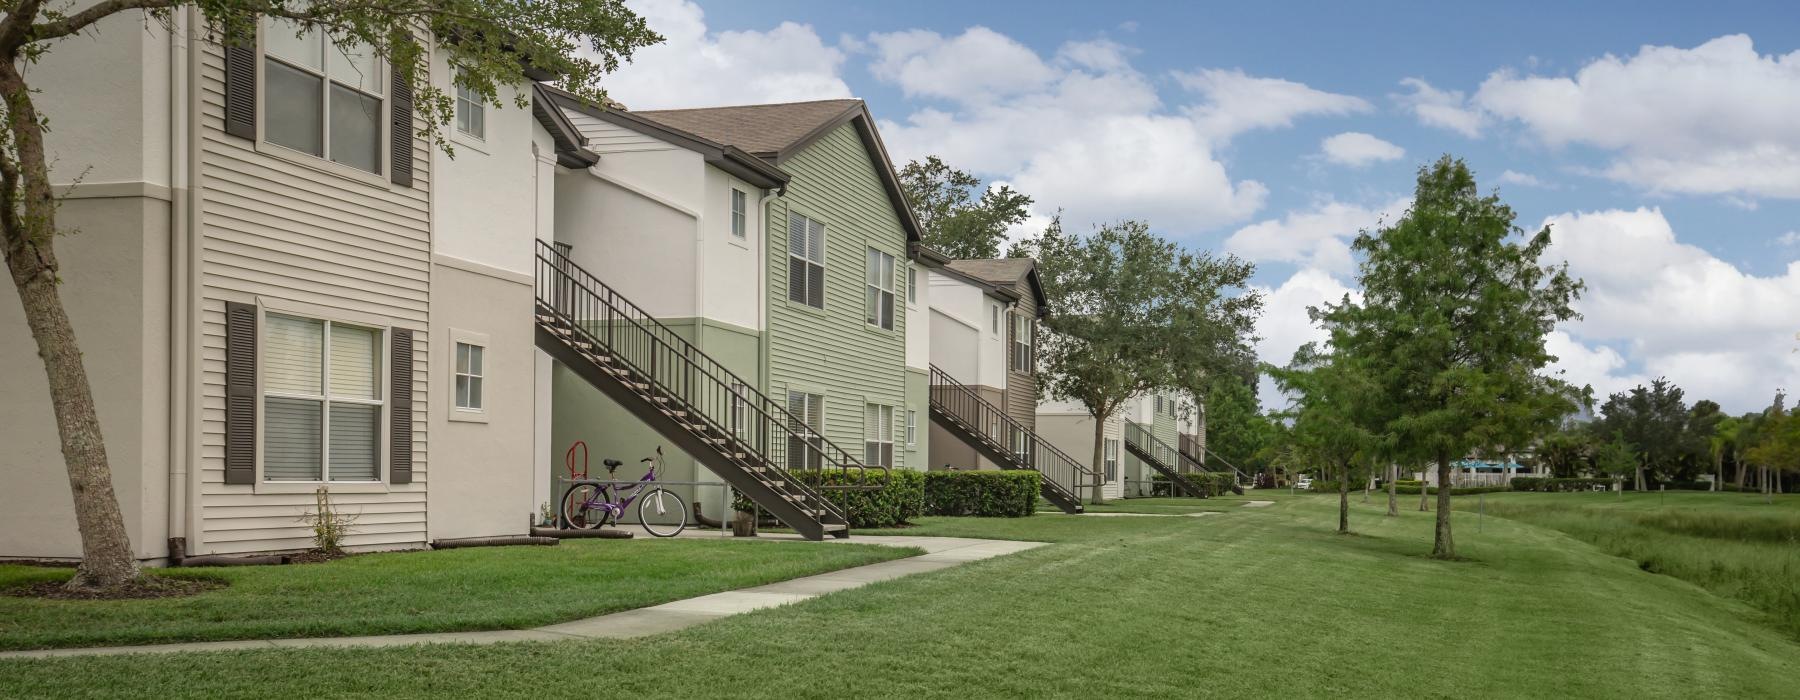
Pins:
x,y
776,132
1006,271
771,131
731,159
569,150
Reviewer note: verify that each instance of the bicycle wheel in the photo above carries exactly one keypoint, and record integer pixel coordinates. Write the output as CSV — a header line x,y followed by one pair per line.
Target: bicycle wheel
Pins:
x,y
575,511
657,508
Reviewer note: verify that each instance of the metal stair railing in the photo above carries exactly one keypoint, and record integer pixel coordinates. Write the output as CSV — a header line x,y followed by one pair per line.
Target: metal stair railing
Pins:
x,y
1136,435
985,420
734,410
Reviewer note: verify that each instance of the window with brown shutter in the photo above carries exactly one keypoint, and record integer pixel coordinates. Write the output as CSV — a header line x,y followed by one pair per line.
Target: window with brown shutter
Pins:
x,y
240,393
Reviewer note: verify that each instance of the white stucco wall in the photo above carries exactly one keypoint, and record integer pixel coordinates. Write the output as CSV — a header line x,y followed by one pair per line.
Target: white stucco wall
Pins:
x,y
483,208
969,307
918,314
641,247
113,127
731,268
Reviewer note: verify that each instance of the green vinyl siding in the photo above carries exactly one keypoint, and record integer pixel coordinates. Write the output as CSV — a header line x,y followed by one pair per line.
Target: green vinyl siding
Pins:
x,y
834,351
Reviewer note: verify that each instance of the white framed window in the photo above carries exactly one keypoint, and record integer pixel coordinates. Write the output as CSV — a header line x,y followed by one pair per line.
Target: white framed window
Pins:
x,y
321,98
912,285
1110,458
740,407
878,435
806,261
471,114
469,376
322,401
994,319
912,428
1022,359
1159,404
878,301
805,430
740,213
1018,442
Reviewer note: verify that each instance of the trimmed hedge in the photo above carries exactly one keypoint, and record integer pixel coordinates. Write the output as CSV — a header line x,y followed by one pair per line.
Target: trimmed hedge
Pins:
x,y
1215,483
896,505
1539,483
985,493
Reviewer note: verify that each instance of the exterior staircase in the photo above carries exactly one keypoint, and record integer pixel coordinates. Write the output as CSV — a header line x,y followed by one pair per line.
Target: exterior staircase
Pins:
x,y
1161,457
981,424
746,438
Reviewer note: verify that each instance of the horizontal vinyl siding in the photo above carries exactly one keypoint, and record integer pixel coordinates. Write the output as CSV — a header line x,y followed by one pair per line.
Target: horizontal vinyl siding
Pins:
x,y
275,229
835,181
603,137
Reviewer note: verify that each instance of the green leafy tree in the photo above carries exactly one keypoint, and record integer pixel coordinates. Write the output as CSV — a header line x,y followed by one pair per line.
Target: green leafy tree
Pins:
x,y
1335,416
1451,325
1237,431
956,221
1566,453
1721,442
579,40
1615,457
1113,297
1652,420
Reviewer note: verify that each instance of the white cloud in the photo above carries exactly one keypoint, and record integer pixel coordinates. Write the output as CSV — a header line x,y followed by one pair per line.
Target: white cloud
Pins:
x,y
1512,177
1789,239
1444,109
1084,130
1714,119
1357,149
1677,310
979,63
1600,367
1236,102
1315,238
1285,325
695,67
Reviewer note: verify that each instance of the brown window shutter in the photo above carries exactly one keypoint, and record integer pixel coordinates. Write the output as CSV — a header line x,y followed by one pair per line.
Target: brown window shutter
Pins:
x,y
400,382
400,142
240,393
240,85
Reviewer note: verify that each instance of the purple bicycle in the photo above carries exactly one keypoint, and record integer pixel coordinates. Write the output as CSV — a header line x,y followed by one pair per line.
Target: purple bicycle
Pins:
x,y
587,505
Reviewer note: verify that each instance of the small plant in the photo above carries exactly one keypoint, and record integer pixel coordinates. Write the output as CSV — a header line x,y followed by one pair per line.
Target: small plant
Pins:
x,y
546,515
329,525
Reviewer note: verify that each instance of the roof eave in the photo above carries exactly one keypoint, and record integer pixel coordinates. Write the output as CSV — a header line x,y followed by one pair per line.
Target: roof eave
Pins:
x,y
730,159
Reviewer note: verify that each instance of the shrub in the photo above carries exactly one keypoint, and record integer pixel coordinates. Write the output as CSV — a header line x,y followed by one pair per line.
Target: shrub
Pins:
x,y
982,493
1215,483
1538,483
902,500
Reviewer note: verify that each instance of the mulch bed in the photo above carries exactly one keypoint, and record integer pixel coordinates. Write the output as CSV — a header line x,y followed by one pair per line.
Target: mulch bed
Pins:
x,y
145,587
316,556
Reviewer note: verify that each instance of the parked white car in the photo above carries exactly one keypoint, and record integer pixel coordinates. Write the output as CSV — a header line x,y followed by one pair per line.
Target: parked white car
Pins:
x,y
1304,484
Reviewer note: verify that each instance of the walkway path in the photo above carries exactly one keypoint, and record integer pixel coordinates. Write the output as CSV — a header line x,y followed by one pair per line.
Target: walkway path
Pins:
x,y
1200,514
1258,504
940,553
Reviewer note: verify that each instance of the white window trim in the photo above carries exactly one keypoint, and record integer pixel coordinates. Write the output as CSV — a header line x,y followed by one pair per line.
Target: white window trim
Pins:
x,y
456,118
912,286
892,269
817,431
877,441
451,410
994,319
824,257
384,348
735,217
324,163
912,429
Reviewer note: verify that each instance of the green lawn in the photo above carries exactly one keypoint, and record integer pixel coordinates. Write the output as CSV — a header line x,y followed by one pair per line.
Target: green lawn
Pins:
x,y
433,591
1256,602
1156,505
1733,544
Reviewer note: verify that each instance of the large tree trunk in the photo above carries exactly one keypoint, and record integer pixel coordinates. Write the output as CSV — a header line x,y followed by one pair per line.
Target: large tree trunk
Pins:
x,y
1344,500
1393,490
1718,470
1443,547
1639,481
1738,461
29,229
1099,494
1424,494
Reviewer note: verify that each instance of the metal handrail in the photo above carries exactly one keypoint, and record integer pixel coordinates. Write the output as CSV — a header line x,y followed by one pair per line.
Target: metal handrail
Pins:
x,y
1060,471
711,392
1170,456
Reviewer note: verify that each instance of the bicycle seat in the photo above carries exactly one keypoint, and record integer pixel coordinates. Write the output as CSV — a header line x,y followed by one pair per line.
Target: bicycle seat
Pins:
x,y
611,464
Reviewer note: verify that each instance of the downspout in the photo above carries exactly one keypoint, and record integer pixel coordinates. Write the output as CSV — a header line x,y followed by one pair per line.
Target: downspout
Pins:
x,y
195,184
176,499
762,280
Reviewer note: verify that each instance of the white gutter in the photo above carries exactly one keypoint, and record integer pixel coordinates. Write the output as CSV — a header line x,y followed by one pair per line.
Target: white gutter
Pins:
x,y
175,500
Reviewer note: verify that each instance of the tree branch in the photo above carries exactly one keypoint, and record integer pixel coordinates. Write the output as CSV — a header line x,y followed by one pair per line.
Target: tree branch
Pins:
x,y
81,20
12,29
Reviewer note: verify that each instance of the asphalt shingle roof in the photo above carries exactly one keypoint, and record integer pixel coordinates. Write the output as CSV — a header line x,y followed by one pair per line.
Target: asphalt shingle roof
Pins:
x,y
764,130
1005,271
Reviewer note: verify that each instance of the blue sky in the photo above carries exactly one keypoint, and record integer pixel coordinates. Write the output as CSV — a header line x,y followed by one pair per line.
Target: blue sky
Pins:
x,y
1661,140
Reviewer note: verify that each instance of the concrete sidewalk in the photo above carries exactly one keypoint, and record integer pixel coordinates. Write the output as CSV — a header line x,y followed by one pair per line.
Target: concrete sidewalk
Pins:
x,y
940,553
